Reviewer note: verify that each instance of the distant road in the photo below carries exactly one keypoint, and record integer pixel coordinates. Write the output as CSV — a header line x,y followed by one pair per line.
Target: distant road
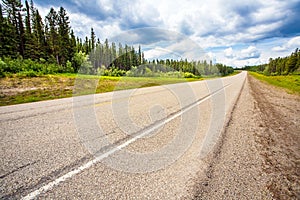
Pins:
x,y
141,143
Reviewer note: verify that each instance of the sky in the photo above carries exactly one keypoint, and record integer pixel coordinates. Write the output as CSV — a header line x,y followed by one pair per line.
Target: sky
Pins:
x,y
232,32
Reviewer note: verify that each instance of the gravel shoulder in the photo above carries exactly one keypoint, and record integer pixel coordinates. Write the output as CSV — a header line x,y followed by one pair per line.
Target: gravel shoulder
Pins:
x,y
258,155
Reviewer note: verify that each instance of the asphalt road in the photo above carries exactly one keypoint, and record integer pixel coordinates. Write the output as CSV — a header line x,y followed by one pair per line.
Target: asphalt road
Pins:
x,y
141,143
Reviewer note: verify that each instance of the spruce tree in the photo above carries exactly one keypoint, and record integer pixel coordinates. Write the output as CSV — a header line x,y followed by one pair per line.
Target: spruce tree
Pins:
x,y
12,27
93,38
52,22
29,43
64,39
38,34
21,35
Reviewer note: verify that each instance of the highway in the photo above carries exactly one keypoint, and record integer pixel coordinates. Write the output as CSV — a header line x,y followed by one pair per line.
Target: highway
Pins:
x,y
146,143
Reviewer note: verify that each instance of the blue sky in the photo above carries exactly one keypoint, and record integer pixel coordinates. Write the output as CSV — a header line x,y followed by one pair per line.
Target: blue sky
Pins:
x,y
235,33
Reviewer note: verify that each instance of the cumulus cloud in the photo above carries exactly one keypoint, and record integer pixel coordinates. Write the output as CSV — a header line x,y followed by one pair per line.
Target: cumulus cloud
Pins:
x,y
229,53
210,23
242,54
158,52
291,44
239,56
234,22
250,52
279,48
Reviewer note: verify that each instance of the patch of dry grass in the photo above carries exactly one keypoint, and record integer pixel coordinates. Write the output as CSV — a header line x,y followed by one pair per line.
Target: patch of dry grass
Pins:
x,y
15,90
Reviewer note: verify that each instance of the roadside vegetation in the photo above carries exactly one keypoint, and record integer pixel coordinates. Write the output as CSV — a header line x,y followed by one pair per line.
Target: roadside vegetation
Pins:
x,y
281,72
20,89
289,82
41,59
25,80
33,46
279,66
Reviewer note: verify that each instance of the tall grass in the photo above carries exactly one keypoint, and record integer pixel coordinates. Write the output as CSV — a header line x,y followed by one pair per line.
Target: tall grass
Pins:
x,y
16,89
290,82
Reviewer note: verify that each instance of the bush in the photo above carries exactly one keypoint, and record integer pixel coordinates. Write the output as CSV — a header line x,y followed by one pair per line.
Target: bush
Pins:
x,y
266,71
130,73
175,74
28,67
114,72
2,68
189,75
274,74
69,67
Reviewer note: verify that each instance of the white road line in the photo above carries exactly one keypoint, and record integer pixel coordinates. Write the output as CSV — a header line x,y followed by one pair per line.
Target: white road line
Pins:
x,y
68,175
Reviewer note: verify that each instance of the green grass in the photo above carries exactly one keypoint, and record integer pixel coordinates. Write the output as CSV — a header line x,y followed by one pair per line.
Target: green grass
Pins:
x,y
16,90
291,82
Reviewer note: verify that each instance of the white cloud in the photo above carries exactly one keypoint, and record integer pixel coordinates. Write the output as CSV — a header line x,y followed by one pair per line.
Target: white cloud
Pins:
x,y
239,57
250,52
292,44
188,49
210,24
279,48
233,22
106,5
184,49
229,53
82,26
156,53
267,10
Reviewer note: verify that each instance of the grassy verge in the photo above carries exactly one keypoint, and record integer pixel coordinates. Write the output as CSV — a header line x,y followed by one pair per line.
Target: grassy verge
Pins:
x,y
18,89
15,90
291,82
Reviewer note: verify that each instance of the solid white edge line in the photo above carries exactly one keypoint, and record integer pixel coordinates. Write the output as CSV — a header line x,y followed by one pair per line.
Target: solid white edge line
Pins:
x,y
87,165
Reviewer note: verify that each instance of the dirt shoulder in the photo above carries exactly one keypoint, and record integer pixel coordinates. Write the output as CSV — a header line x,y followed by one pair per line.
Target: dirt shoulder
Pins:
x,y
258,156
279,143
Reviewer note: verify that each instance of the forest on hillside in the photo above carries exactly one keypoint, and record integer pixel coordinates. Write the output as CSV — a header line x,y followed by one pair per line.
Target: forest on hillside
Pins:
x,y
33,46
279,66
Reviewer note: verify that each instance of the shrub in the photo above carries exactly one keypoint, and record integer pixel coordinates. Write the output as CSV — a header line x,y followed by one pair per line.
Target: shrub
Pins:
x,y
189,75
26,67
274,73
175,74
2,68
266,71
69,67
130,73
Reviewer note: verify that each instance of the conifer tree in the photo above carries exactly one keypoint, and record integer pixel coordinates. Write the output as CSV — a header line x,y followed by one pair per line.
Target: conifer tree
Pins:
x,y
64,39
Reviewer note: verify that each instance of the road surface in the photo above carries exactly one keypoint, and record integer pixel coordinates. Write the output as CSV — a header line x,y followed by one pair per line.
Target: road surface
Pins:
x,y
142,143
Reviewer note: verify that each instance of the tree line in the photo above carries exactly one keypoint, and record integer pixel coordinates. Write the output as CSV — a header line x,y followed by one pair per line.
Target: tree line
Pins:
x,y
279,66
26,37
25,34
